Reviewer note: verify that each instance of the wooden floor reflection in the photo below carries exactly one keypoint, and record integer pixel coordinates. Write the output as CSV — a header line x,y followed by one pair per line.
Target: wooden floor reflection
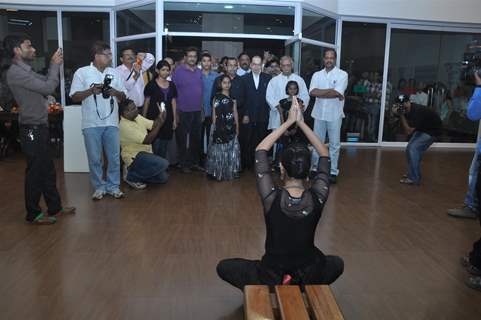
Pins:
x,y
153,254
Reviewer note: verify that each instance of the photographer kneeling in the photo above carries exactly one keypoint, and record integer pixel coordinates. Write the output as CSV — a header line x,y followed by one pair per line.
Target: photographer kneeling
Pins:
x,y
136,136
423,125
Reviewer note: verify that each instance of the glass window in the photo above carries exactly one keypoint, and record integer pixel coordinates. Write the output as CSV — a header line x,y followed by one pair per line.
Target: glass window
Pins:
x,y
427,66
136,20
318,27
363,95
219,47
311,61
228,18
41,26
141,45
80,31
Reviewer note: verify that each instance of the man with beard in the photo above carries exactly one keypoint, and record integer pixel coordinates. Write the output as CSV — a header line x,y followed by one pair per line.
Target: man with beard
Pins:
x,y
244,63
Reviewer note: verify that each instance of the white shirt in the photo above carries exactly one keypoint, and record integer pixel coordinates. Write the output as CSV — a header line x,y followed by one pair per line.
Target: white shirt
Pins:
x,y
329,109
135,88
240,72
276,91
256,79
83,79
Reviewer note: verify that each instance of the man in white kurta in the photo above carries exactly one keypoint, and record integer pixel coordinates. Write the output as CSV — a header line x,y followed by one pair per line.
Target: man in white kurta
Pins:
x,y
328,86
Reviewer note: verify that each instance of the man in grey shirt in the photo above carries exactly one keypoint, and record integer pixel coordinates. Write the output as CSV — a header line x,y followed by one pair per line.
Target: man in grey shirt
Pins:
x,y
29,90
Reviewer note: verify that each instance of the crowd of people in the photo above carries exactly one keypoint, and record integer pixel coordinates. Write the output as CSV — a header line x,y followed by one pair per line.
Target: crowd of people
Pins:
x,y
244,110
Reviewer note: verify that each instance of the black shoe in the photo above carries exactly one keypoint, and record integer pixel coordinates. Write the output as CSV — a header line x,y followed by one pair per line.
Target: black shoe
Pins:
x,y
333,179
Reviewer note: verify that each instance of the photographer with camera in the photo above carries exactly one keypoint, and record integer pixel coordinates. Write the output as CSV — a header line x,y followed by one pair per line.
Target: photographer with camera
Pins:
x,y
30,90
100,87
472,261
423,125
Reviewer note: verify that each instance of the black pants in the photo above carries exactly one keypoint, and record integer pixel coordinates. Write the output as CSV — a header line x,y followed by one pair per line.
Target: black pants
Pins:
x,y
205,131
189,126
40,176
241,272
250,136
475,254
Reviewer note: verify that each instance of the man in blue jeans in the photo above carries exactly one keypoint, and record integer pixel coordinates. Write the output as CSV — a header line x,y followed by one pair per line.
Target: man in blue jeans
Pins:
x,y
470,208
424,125
136,136
99,88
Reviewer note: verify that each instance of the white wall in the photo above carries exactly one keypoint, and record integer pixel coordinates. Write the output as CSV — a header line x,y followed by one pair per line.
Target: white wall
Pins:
x,y
464,11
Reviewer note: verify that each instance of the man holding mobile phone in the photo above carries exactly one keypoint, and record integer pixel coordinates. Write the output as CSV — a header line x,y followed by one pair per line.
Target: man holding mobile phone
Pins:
x,y
29,90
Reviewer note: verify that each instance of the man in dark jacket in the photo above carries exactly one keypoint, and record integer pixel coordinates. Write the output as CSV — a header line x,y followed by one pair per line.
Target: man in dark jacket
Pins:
x,y
254,119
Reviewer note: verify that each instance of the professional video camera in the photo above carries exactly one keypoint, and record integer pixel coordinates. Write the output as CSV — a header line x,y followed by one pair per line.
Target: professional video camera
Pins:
x,y
106,85
398,106
471,62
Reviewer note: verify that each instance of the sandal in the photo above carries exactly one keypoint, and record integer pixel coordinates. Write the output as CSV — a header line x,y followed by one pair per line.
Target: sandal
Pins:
x,y
64,211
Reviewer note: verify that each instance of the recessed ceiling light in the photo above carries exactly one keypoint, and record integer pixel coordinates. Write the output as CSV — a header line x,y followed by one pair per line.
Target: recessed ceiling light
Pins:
x,y
228,7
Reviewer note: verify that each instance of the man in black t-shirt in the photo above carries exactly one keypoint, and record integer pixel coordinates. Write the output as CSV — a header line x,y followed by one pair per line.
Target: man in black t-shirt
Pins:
x,y
423,125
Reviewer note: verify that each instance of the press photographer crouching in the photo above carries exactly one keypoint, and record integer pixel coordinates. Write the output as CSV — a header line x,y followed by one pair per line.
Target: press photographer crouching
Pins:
x,y
136,136
423,125
99,87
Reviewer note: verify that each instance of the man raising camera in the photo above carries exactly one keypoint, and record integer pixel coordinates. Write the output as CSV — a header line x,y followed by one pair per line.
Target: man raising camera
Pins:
x,y
423,125
99,87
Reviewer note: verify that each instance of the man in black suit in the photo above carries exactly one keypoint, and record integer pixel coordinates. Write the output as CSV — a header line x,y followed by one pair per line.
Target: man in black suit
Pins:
x,y
255,115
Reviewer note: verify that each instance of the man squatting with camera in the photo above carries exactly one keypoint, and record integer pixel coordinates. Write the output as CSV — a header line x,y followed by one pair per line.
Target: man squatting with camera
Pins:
x,y
423,125
99,87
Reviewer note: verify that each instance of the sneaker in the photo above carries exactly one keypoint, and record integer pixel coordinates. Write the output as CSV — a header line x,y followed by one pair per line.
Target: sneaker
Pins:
x,y
117,194
42,219
333,179
407,181
98,195
185,170
463,212
474,283
136,185
64,211
196,167
469,267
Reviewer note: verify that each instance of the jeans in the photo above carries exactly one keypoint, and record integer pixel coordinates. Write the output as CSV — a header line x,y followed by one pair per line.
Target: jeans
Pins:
x,y
148,168
189,126
40,175
241,272
471,199
98,140
159,147
415,149
333,129
475,254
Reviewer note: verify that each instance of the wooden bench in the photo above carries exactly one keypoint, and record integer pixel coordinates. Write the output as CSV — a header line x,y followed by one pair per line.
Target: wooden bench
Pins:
x,y
289,303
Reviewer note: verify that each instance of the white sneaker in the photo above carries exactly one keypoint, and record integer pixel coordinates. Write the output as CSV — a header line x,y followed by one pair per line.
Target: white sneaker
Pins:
x,y
117,194
136,185
98,195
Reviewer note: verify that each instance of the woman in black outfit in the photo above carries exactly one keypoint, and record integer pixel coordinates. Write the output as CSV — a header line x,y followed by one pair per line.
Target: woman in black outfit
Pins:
x,y
291,214
161,93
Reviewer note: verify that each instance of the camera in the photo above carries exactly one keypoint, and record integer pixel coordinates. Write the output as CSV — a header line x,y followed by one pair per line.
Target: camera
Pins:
x,y
471,62
106,85
398,106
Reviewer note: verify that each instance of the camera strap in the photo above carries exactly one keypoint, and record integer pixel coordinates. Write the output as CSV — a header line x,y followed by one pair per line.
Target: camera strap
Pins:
x,y
97,106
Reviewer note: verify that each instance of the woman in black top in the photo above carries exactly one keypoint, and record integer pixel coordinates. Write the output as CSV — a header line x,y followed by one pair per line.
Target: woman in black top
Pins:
x,y
161,93
291,214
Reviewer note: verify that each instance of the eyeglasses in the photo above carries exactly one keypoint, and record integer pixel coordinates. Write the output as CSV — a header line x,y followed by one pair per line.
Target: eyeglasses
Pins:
x,y
106,54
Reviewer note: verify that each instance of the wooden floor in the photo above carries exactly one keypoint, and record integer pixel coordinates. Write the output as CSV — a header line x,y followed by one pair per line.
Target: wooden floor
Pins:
x,y
153,254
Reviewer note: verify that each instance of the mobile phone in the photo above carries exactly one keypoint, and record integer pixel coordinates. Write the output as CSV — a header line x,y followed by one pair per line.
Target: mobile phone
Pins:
x,y
161,106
